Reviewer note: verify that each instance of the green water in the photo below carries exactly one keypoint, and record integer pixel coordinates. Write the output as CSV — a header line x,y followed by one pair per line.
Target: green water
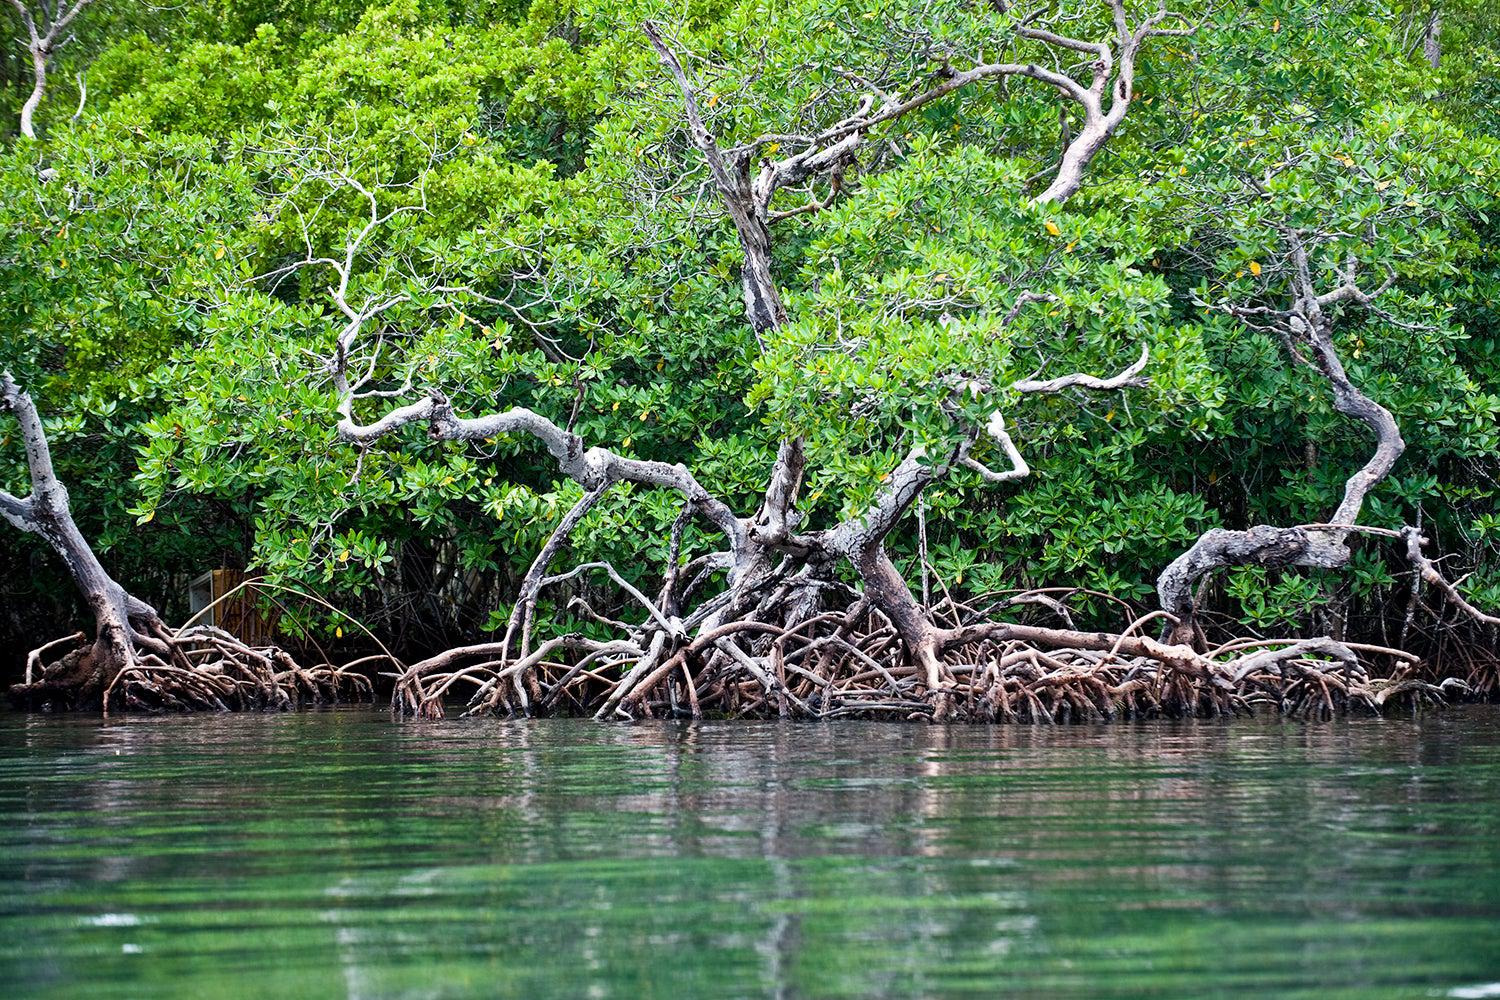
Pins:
x,y
345,855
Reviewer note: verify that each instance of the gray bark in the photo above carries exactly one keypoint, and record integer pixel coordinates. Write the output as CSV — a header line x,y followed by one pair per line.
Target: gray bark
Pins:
x,y
748,201
122,622
39,60
46,32
1307,328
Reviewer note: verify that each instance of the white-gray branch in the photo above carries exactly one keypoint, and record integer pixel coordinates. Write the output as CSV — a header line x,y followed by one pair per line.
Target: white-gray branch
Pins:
x,y
46,32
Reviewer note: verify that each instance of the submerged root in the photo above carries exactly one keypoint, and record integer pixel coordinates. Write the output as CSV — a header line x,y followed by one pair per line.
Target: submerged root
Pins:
x,y
851,664
191,669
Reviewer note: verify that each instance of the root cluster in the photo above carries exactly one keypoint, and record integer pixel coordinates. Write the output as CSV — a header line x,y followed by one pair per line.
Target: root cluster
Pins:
x,y
196,668
852,663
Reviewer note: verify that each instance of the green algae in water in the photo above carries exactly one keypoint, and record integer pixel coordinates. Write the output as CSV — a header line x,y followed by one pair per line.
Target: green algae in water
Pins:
x,y
344,855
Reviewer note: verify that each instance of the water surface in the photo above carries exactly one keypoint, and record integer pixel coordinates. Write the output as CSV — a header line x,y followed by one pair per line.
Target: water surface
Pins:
x,y
344,855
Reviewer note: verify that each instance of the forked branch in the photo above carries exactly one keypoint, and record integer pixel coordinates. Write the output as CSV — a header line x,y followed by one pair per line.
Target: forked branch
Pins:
x,y
47,24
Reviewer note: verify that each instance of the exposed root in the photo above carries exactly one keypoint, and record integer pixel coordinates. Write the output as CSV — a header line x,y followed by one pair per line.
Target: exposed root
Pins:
x,y
193,668
850,663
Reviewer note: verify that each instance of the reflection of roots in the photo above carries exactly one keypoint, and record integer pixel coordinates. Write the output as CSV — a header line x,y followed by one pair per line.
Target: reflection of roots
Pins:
x,y
852,663
195,668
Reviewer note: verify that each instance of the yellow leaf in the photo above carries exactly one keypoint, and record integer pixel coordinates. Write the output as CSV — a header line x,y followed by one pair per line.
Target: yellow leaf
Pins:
x,y
615,407
1255,268
146,517
1052,228
344,556
338,633
1110,415
939,279
1382,185
219,252
626,443
661,364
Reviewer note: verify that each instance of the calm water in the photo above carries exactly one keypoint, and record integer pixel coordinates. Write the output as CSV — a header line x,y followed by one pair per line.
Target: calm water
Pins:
x,y
344,855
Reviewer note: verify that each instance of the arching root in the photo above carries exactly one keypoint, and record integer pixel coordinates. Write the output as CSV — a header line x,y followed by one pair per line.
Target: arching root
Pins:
x,y
847,664
196,668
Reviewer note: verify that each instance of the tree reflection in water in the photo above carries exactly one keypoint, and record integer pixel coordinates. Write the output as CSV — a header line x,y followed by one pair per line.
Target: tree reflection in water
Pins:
x,y
342,855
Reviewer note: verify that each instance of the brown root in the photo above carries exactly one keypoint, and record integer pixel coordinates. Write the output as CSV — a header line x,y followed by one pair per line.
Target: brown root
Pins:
x,y
836,665
195,668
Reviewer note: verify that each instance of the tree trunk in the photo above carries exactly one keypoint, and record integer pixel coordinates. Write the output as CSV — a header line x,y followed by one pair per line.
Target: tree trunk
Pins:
x,y
39,59
122,622
1432,39
1075,162
1315,546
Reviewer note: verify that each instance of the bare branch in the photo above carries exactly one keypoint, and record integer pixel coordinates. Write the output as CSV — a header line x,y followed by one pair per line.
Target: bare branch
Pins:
x,y
1128,378
46,33
1428,572
919,469
1304,327
997,431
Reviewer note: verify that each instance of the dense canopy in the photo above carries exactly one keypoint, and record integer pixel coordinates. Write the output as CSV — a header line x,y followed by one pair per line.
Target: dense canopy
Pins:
x,y
339,291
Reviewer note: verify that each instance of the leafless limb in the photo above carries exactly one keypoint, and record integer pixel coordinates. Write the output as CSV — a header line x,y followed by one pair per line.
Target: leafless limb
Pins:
x,y
47,25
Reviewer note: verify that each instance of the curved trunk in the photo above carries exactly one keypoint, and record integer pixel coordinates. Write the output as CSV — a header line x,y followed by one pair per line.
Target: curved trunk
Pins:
x,y
1323,546
122,622
39,60
1075,162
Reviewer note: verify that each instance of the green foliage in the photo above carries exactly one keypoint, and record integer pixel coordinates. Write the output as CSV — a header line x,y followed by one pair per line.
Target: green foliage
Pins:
x,y
569,259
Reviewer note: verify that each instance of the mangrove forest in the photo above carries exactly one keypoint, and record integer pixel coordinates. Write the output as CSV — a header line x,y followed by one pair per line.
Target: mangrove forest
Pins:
x,y
950,361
